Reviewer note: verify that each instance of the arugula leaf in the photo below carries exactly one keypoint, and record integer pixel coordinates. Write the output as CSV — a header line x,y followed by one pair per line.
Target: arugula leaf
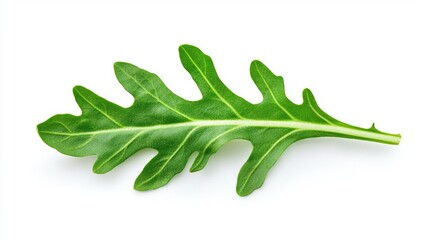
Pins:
x,y
176,127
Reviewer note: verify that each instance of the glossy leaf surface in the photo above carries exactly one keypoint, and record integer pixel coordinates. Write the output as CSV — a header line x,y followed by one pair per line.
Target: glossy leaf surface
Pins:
x,y
176,127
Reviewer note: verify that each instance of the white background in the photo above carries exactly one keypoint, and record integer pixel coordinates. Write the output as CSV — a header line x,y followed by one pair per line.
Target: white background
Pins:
x,y
365,62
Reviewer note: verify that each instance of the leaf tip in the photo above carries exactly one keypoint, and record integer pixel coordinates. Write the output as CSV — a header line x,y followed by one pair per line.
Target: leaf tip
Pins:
x,y
188,51
121,65
77,90
256,63
308,97
198,163
98,169
39,130
242,192
80,94
187,47
118,65
243,188
195,168
38,127
307,92
139,185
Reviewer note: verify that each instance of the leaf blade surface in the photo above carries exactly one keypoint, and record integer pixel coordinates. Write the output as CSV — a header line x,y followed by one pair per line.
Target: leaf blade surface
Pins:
x,y
176,128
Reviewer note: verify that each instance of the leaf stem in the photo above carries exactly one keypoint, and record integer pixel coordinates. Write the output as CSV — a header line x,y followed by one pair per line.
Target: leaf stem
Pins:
x,y
344,131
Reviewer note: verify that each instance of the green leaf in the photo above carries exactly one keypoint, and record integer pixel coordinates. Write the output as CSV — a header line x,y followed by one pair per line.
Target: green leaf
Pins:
x,y
176,127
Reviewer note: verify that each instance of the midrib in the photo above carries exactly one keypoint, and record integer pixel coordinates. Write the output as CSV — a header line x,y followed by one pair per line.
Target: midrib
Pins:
x,y
352,132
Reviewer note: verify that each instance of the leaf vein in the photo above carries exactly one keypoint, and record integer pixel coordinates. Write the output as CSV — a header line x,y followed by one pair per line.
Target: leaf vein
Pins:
x,y
264,156
317,113
211,86
153,96
84,143
272,95
214,139
99,110
169,158
102,163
